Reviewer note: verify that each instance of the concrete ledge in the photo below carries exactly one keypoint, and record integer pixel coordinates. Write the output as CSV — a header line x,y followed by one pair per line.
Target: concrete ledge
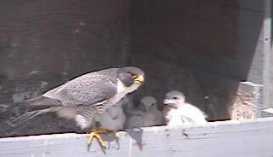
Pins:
x,y
225,139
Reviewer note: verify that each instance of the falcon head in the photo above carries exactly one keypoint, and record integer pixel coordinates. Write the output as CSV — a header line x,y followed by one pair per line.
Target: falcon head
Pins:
x,y
130,76
174,99
148,102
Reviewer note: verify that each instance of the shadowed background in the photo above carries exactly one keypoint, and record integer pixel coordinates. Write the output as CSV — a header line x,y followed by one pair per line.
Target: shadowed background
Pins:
x,y
203,48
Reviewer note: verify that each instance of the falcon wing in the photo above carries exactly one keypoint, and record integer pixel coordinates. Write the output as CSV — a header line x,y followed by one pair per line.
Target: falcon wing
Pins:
x,y
87,89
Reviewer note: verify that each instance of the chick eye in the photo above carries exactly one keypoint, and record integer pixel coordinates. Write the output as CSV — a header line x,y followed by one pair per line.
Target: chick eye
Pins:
x,y
175,97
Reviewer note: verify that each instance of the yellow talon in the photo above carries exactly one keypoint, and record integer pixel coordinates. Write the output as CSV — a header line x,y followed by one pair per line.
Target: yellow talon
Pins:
x,y
96,134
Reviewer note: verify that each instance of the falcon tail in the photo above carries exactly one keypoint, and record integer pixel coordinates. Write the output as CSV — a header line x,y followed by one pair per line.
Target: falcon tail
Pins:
x,y
27,116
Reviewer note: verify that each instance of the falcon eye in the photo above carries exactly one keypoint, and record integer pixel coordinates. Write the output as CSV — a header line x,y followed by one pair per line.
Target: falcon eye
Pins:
x,y
134,76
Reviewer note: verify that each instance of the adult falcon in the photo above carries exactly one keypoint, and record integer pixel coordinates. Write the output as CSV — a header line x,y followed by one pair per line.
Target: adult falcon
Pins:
x,y
84,98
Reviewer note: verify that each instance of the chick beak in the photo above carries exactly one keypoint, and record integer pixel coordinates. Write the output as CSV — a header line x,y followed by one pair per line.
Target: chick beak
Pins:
x,y
170,103
139,79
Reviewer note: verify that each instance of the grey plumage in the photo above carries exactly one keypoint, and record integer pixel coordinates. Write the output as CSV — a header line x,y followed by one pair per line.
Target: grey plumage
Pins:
x,y
146,114
152,115
114,117
134,115
87,89
128,105
87,96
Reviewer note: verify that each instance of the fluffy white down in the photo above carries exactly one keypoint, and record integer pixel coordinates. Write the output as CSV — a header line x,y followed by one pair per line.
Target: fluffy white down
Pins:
x,y
185,114
81,121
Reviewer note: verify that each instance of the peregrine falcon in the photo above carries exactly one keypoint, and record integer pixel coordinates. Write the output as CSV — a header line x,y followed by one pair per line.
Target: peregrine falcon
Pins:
x,y
177,112
85,98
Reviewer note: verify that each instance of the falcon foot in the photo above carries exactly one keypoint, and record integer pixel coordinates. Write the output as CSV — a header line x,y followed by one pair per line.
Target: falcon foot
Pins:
x,y
97,134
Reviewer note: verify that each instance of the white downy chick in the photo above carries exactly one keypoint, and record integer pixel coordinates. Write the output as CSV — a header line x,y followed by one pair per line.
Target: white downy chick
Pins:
x,y
178,112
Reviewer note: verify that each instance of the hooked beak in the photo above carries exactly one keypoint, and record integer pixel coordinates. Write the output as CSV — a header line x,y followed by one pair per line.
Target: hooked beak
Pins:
x,y
139,79
170,103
